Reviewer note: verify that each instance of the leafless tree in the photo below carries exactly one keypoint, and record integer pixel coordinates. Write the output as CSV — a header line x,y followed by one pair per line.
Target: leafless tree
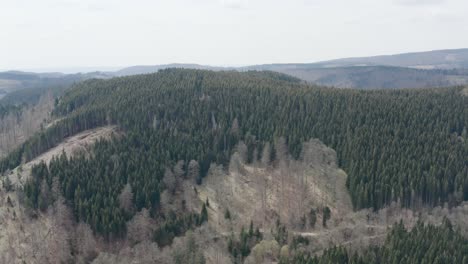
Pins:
x,y
266,153
241,149
126,198
139,227
169,181
58,237
235,164
281,149
193,170
84,243
283,161
179,172
16,128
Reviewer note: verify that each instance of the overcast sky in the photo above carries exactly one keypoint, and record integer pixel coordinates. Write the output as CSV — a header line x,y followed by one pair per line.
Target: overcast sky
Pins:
x,y
60,34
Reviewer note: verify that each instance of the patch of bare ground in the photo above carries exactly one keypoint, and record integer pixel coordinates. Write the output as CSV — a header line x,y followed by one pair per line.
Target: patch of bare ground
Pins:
x,y
465,91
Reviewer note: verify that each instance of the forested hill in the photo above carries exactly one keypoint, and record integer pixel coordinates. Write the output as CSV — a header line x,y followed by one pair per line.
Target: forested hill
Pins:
x,y
423,244
404,145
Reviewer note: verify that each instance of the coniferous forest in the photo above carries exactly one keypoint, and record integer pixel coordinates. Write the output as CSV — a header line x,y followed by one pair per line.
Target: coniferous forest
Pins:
x,y
423,244
407,146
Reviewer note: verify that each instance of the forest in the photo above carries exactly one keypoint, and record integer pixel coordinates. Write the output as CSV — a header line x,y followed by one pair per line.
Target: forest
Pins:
x,y
406,146
423,244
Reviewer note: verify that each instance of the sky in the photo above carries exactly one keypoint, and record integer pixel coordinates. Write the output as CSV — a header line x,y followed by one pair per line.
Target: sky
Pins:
x,y
66,35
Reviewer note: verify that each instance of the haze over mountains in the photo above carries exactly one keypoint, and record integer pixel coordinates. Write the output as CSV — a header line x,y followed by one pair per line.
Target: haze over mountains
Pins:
x,y
409,70
439,68
437,59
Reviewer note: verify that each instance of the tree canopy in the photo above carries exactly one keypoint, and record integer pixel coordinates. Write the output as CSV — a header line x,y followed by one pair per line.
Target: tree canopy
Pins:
x,y
401,145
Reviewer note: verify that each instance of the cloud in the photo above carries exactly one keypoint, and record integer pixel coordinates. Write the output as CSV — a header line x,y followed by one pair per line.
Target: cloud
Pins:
x,y
235,4
419,2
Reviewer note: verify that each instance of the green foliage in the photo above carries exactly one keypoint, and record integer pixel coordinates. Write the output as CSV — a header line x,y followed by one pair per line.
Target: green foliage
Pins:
x,y
240,248
404,145
227,214
203,214
423,244
312,217
326,215
37,187
174,226
280,233
299,240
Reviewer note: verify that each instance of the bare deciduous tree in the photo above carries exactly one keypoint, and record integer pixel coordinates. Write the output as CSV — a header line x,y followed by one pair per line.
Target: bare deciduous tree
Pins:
x,y
169,181
179,172
241,149
84,243
266,153
58,237
16,128
126,198
235,163
139,228
193,170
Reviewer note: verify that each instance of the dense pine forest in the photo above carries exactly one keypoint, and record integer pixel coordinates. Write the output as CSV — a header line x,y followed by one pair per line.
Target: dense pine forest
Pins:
x,y
423,244
408,146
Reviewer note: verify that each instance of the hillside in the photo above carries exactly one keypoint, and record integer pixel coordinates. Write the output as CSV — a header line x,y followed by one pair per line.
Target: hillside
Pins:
x,y
161,106
440,68
371,77
134,70
437,59
246,163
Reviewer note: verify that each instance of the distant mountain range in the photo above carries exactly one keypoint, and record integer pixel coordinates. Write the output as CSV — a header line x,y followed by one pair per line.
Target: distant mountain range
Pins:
x,y
409,70
375,77
437,59
134,70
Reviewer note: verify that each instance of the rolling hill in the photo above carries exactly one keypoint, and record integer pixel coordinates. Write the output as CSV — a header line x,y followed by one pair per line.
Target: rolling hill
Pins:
x,y
372,77
238,167
439,68
437,59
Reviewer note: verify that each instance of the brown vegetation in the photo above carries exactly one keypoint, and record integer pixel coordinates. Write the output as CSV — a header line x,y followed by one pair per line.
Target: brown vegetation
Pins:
x,y
16,128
